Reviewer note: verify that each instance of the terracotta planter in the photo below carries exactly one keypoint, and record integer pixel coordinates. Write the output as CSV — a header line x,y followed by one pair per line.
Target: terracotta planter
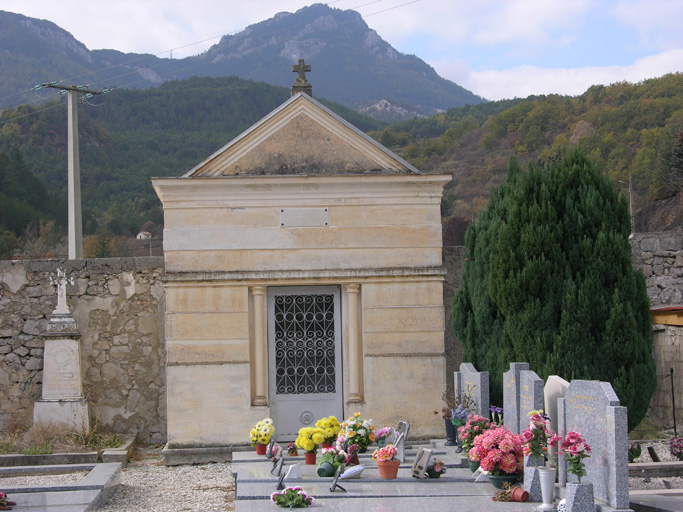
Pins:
x,y
353,461
261,449
388,469
326,445
293,453
518,494
310,458
498,480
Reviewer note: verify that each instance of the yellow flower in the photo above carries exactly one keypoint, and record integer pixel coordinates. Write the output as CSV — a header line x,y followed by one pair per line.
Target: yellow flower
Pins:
x,y
351,434
356,414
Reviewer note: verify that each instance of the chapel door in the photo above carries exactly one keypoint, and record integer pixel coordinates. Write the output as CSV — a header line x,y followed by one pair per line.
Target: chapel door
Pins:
x,y
304,357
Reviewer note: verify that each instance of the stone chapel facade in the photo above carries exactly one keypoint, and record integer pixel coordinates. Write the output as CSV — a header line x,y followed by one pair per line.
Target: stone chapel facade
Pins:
x,y
304,278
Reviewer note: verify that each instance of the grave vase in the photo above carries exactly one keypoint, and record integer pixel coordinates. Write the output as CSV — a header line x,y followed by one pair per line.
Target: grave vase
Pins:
x,y
310,458
325,445
580,497
546,477
261,449
388,469
451,433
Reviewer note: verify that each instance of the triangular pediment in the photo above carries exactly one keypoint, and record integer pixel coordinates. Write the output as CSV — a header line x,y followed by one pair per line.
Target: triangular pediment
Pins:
x,y
302,137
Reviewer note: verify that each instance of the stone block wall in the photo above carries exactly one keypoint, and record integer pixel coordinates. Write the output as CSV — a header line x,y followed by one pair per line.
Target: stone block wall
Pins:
x,y
660,256
118,305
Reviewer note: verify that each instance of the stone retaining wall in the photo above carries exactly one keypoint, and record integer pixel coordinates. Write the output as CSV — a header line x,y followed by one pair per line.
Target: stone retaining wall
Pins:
x,y
118,307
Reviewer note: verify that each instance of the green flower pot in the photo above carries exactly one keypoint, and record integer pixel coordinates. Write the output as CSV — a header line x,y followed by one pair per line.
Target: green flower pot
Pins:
x,y
326,469
473,466
498,480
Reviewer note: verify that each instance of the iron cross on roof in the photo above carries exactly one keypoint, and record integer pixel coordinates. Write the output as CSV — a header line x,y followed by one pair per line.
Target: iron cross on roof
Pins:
x,y
301,68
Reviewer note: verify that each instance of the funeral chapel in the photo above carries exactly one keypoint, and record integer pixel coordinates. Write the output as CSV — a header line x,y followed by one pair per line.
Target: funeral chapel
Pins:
x,y
304,279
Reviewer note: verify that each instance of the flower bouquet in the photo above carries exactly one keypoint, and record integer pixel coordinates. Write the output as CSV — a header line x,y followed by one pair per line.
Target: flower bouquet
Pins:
x,y
5,504
498,452
436,469
381,435
310,438
575,449
676,447
358,431
538,437
260,435
292,450
330,461
496,415
292,497
331,428
459,416
475,426
387,463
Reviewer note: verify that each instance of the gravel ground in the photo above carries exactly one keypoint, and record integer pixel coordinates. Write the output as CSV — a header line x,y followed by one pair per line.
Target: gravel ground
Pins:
x,y
61,479
147,485
640,483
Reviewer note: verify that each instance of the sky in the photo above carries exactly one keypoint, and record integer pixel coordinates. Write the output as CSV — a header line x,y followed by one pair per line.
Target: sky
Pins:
x,y
495,48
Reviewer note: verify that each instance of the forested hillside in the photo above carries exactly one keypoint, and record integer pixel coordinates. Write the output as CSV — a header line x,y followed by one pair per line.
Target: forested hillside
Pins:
x,y
626,129
126,137
129,136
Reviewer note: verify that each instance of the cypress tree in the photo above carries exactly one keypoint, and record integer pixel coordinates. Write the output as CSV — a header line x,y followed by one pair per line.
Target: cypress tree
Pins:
x,y
548,280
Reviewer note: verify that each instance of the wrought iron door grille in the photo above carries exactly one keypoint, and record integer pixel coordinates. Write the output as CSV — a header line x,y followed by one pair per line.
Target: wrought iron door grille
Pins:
x,y
304,344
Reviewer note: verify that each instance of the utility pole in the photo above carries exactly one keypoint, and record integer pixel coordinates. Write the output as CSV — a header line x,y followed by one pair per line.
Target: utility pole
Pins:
x,y
74,171
630,201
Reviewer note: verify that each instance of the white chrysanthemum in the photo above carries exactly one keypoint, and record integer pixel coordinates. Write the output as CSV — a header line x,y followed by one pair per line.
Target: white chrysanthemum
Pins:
x,y
361,431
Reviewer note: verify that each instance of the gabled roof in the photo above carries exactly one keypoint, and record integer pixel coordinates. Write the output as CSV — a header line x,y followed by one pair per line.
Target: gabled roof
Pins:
x,y
301,137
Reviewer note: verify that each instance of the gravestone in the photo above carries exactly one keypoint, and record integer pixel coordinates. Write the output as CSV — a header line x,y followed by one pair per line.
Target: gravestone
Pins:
x,y
592,409
62,398
530,399
511,383
530,396
468,381
555,387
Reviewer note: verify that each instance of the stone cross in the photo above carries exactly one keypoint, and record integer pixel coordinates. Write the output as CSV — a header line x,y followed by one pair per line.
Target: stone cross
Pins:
x,y
61,281
301,68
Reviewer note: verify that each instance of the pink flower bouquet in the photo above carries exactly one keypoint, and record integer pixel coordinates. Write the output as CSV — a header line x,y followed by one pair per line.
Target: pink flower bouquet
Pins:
x,y
575,449
498,452
389,452
475,426
538,437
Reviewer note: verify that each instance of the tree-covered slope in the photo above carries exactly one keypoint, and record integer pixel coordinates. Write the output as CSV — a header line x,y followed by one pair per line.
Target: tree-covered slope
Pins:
x,y
128,136
626,129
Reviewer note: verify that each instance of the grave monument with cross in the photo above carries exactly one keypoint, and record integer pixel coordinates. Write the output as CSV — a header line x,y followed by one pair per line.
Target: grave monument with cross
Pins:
x,y
62,398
